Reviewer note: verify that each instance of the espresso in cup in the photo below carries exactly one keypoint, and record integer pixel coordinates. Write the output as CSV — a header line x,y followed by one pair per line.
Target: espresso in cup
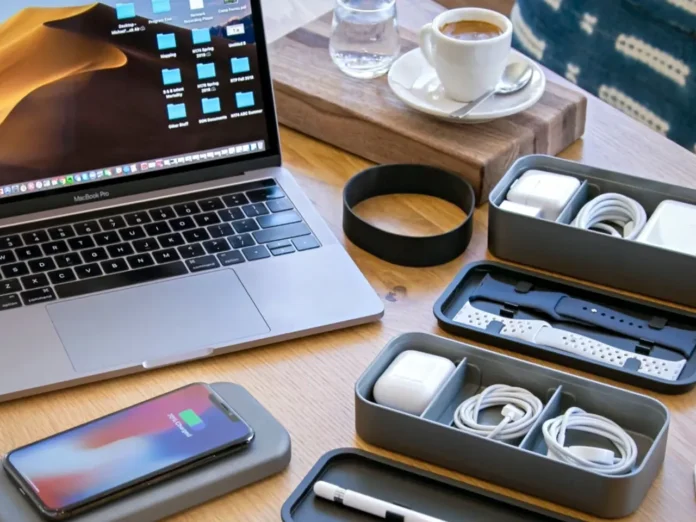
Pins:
x,y
471,30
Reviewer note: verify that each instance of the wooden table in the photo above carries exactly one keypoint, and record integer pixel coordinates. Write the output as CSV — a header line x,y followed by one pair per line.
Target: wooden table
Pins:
x,y
308,384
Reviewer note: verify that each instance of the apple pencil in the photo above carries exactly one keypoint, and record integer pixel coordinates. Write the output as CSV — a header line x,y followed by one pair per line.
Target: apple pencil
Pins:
x,y
366,504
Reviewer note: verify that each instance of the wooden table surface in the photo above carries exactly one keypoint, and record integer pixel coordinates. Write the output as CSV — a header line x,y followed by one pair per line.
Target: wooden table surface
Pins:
x,y
308,384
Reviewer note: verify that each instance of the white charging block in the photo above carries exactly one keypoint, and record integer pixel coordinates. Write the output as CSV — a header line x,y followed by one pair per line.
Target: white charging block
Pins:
x,y
546,191
672,226
411,381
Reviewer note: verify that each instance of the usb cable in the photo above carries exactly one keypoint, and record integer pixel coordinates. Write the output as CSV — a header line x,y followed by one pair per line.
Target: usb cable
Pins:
x,y
610,209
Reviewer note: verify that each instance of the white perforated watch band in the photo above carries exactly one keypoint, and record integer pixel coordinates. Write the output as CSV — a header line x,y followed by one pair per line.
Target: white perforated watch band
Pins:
x,y
541,332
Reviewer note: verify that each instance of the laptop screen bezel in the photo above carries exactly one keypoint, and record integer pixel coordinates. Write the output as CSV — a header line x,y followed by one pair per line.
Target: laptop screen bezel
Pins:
x,y
175,176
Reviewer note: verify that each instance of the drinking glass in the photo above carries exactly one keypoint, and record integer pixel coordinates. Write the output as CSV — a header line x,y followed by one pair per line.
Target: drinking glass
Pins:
x,y
364,37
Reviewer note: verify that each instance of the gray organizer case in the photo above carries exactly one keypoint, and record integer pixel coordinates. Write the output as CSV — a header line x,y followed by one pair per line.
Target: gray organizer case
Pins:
x,y
560,248
521,465
268,454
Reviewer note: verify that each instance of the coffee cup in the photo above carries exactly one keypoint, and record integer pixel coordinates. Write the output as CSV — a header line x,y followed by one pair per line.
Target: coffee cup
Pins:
x,y
468,48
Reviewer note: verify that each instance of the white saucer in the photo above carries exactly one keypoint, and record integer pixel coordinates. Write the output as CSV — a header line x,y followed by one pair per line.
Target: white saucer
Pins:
x,y
416,84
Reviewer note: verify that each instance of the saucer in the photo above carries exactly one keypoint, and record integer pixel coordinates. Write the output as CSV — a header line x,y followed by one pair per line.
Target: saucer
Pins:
x,y
416,84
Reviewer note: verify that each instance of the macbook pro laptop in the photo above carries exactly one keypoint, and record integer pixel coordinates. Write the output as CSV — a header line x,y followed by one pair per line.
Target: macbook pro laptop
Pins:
x,y
145,218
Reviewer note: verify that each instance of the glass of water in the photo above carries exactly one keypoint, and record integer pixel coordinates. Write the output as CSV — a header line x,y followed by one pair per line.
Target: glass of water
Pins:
x,y
364,37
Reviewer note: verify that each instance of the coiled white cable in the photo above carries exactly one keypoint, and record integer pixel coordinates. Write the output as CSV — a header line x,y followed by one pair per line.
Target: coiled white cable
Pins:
x,y
554,431
520,409
598,214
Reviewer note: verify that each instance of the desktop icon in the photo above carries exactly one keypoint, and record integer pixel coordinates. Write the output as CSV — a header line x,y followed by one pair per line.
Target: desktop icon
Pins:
x,y
196,157
118,170
231,150
126,169
235,30
92,175
2,191
196,4
260,145
238,149
100,174
143,166
201,36
188,159
71,180
253,146
161,6
107,172
63,181
224,152
211,105
166,41
54,182
205,70
23,188
39,184
125,11
171,76
159,163
210,155
217,154
31,185
152,165
167,163
176,111
245,148
240,65
134,168
244,99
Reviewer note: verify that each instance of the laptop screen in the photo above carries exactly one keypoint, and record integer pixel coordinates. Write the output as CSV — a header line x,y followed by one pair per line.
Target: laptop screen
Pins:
x,y
95,91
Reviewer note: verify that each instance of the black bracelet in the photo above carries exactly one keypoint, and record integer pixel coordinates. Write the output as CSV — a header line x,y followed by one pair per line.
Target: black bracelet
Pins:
x,y
408,179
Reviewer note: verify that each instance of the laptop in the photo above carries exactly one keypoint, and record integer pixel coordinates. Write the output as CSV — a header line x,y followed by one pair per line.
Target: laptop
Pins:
x,y
145,218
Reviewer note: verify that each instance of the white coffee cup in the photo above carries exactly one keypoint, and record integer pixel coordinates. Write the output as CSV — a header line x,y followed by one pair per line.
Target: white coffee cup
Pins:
x,y
467,68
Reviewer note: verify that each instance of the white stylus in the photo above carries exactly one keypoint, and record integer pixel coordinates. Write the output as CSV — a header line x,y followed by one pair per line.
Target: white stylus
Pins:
x,y
366,504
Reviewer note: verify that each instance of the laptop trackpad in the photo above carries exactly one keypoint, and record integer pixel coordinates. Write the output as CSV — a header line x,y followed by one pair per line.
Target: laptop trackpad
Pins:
x,y
156,321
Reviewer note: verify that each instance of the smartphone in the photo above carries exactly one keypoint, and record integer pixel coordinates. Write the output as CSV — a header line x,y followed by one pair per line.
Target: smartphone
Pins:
x,y
124,452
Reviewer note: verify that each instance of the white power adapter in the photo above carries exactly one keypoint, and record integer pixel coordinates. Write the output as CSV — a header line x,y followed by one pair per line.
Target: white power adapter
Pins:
x,y
544,194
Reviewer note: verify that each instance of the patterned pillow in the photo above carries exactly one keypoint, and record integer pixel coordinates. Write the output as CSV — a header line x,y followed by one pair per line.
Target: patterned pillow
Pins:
x,y
637,55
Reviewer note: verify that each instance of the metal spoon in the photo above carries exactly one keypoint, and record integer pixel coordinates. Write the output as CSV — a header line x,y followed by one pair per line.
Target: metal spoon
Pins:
x,y
515,78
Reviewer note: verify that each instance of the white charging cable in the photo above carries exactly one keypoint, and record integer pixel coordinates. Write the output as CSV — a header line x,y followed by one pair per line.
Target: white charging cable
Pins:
x,y
587,457
603,211
520,409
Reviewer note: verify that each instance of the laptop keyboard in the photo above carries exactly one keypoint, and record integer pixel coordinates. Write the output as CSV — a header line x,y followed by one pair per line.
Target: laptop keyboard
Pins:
x,y
147,242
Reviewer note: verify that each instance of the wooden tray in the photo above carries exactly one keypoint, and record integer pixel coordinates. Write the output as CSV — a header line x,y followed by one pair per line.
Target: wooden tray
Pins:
x,y
367,119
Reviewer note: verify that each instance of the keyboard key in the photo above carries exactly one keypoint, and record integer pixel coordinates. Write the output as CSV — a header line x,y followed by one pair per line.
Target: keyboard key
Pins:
x,y
87,271
182,224
282,251
107,238
203,220
279,205
64,275
29,252
7,256
9,301
230,258
42,265
78,243
166,256
246,225
278,244
113,265
137,218
231,214
63,232
264,194
208,205
220,230
197,235
156,229
256,252
186,209
34,281
120,250
276,220
88,227
140,261
10,242
55,247
171,240
283,232
40,295
235,200
9,286
257,209
94,254
112,223
110,282
202,263
190,251
243,241
305,243
36,237
162,214
216,246
146,245
132,233
15,270
68,260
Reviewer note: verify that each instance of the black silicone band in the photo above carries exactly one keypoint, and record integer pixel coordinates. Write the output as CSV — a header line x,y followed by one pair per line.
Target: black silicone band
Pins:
x,y
408,179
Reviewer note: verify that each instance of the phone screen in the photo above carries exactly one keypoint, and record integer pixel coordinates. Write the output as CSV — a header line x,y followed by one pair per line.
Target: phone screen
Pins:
x,y
94,460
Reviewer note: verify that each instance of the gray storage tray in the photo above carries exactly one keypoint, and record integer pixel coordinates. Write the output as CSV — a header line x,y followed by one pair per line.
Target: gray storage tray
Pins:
x,y
268,454
615,262
520,465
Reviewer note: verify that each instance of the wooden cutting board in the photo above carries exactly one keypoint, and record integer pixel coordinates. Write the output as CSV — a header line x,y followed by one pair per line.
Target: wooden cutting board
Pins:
x,y
367,119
